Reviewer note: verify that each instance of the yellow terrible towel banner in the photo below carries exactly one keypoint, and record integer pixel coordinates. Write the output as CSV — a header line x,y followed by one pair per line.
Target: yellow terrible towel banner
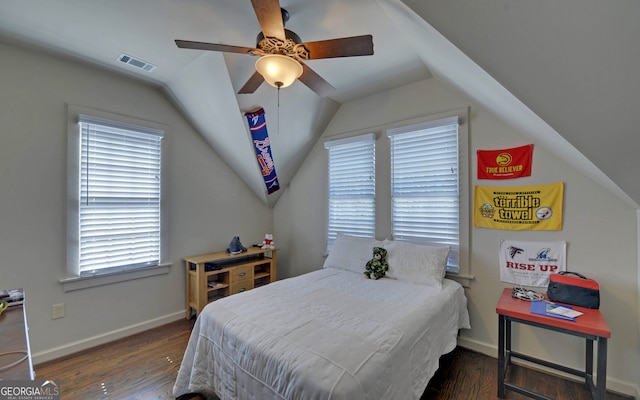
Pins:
x,y
519,208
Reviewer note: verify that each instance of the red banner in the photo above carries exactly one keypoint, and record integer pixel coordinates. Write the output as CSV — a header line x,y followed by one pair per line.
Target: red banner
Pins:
x,y
506,163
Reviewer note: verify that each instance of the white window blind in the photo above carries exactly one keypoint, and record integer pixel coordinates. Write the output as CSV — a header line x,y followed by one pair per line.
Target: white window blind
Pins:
x,y
351,187
425,197
119,210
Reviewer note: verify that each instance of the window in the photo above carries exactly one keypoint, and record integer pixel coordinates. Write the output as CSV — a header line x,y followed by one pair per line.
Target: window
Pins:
x,y
118,214
425,189
351,187
425,162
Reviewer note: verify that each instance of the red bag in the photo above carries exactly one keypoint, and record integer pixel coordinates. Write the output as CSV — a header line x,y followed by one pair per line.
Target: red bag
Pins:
x,y
577,289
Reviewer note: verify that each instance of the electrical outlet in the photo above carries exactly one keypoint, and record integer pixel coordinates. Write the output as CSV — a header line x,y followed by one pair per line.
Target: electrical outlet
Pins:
x,y
57,311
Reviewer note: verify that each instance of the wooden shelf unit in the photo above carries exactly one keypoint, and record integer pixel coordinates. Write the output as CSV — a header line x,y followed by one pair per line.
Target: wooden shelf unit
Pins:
x,y
238,273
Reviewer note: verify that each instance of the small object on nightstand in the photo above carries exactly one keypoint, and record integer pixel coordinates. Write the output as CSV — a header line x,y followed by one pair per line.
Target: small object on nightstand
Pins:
x,y
236,247
268,243
553,310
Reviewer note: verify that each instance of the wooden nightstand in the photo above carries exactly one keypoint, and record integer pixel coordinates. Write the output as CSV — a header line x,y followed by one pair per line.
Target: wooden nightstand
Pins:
x,y
216,275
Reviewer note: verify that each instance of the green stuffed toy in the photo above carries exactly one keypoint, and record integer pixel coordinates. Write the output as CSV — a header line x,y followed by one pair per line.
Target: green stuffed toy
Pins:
x,y
377,267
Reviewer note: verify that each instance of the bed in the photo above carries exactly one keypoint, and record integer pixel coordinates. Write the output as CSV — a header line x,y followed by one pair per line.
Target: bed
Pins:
x,y
330,333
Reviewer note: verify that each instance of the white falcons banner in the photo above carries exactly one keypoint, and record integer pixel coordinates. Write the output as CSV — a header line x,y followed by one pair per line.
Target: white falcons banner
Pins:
x,y
531,263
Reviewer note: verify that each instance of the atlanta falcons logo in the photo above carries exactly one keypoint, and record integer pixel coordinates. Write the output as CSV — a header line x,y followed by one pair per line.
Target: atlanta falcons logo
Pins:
x,y
514,251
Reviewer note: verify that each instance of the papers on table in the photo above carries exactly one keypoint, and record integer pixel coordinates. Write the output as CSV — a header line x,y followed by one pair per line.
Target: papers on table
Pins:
x,y
554,310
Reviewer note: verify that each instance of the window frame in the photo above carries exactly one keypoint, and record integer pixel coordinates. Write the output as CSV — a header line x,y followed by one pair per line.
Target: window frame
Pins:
x,y
74,280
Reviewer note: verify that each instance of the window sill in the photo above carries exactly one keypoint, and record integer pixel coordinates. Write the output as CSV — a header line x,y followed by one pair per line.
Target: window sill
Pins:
x,y
463,279
82,282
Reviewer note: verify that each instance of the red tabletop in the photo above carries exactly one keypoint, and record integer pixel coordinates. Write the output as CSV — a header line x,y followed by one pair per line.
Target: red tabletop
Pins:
x,y
591,322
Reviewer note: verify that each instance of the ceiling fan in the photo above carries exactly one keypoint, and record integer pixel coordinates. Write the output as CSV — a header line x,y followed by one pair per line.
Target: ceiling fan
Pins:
x,y
282,53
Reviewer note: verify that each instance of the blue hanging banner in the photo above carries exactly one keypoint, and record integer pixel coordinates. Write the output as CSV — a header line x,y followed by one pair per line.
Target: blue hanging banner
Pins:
x,y
258,128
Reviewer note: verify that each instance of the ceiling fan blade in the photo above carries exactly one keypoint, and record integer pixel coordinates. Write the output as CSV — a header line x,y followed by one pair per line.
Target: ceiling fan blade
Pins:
x,y
342,47
187,44
315,82
252,84
270,18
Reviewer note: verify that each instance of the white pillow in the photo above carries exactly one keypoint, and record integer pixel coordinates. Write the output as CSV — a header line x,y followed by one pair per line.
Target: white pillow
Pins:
x,y
421,264
351,253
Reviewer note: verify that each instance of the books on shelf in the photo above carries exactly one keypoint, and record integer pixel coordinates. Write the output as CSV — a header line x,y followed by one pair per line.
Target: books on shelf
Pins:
x,y
14,297
554,310
216,285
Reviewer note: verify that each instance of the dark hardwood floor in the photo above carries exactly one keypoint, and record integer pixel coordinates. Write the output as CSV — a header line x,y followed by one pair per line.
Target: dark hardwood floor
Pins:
x,y
468,375
144,366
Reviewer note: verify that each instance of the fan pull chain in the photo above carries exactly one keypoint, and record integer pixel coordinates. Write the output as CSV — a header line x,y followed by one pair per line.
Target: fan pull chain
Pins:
x,y
278,116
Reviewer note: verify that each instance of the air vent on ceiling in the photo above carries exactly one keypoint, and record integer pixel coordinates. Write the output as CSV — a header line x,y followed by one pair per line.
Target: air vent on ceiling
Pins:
x,y
136,62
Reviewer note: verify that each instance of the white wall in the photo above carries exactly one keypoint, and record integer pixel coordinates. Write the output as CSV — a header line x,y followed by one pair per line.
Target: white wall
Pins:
x,y
207,204
599,228
206,201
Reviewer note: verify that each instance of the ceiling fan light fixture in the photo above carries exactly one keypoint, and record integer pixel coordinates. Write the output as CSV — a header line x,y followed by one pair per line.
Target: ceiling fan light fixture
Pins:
x,y
278,70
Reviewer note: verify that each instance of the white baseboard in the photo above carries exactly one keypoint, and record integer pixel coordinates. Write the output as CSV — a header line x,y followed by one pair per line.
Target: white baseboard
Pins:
x,y
480,347
70,348
613,384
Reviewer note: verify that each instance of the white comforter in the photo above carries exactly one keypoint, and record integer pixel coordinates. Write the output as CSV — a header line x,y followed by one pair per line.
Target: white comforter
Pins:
x,y
328,334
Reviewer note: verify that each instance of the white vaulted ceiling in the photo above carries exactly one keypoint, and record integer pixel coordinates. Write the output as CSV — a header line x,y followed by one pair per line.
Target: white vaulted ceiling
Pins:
x,y
564,72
